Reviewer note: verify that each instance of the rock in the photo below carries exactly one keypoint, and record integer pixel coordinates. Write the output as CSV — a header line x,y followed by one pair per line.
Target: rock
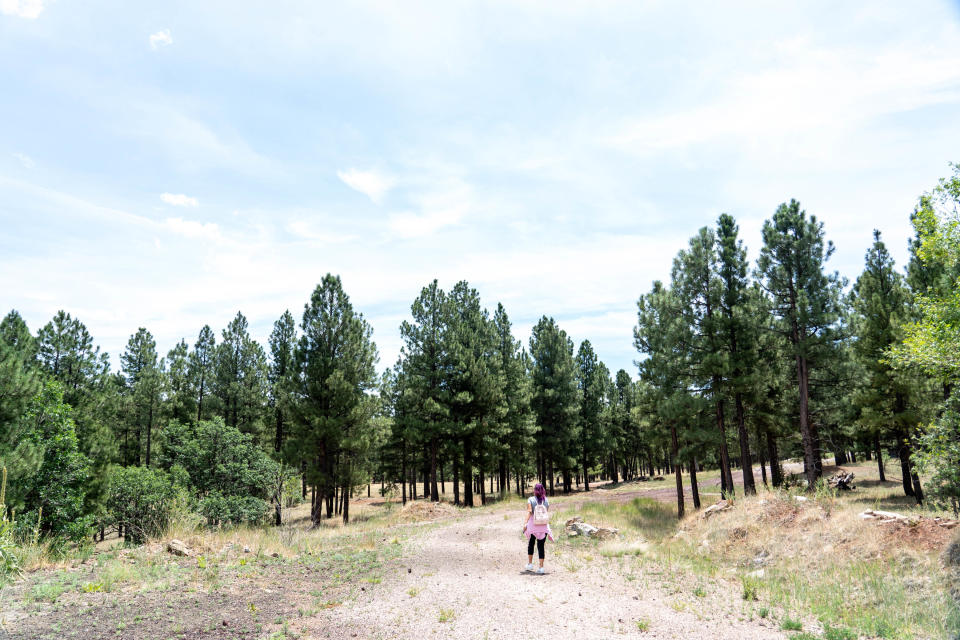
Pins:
x,y
178,548
762,558
246,549
603,533
274,555
800,498
757,573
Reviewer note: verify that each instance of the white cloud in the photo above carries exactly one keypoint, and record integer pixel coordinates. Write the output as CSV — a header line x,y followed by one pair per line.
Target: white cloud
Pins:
x,y
29,9
179,200
192,228
25,160
372,184
161,38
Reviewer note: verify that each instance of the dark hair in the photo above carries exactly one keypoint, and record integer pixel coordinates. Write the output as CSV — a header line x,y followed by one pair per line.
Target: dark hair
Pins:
x,y
539,493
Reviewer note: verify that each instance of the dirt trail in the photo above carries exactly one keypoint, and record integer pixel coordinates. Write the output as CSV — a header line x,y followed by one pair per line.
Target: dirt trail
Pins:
x,y
465,580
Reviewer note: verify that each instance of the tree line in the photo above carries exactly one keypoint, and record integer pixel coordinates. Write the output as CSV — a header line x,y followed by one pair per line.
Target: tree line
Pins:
x,y
740,366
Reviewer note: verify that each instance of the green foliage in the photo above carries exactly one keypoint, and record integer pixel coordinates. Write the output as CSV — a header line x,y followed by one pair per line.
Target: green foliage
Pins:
x,y
240,375
9,560
554,398
50,472
141,501
939,455
225,470
335,360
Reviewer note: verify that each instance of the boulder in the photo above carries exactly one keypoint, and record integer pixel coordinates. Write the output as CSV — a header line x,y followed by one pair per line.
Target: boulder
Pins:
x,y
178,548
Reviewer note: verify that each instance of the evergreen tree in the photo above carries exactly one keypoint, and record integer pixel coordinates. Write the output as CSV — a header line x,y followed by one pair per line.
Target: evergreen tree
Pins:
x,y
425,369
335,360
140,366
805,304
202,360
15,334
737,334
283,342
474,381
516,433
180,402
880,299
660,329
240,374
554,401
591,387
699,292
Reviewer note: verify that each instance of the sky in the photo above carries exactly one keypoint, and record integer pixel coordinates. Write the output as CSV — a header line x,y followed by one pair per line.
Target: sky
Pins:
x,y
165,165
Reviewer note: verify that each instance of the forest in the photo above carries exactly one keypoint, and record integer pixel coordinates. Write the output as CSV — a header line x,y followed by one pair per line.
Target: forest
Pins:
x,y
740,365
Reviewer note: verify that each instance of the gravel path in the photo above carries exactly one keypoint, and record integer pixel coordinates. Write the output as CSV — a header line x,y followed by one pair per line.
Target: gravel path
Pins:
x,y
464,579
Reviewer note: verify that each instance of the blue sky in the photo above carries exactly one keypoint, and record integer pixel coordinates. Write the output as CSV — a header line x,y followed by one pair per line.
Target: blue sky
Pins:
x,y
168,164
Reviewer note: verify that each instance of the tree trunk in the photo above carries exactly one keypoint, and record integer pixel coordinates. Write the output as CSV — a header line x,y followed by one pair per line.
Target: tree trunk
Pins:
x,y
762,459
434,494
675,449
773,459
483,487
746,463
903,452
346,504
694,489
403,472
727,476
806,433
456,482
879,452
467,473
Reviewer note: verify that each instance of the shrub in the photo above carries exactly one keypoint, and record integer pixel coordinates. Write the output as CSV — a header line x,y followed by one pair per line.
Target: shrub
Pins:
x,y
221,510
54,480
140,500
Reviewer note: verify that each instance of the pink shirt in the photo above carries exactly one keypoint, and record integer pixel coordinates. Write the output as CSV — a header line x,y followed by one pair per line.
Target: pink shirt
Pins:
x,y
538,530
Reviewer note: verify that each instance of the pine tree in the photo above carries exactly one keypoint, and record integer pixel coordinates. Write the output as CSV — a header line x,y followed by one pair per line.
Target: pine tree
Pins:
x,y
180,402
283,341
660,333
139,364
475,382
240,374
335,360
425,359
737,334
805,303
590,386
699,291
202,360
881,302
554,400
516,432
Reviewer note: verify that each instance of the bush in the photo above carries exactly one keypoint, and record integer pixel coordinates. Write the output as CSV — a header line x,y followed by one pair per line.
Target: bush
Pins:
x,y
140,500
55,479
223,468
220,510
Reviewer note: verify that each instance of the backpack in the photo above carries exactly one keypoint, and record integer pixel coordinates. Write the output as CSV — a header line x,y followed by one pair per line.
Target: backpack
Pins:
x,y
540,514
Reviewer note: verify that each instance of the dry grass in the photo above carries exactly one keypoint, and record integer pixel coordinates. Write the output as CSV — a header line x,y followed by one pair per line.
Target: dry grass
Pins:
x,y
816,558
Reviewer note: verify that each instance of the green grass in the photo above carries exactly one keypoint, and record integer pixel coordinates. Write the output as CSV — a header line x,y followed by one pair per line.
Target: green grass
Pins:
x,y
446,615
788,624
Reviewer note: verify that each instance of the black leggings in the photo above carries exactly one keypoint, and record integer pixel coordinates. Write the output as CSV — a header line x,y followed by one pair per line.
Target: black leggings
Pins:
x,y
539,545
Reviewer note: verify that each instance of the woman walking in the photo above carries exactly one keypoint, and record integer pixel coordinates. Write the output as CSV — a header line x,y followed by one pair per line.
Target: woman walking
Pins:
x,y
537,525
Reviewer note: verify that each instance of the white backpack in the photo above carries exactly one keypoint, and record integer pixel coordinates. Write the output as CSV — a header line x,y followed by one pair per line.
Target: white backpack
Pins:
x,y
540,514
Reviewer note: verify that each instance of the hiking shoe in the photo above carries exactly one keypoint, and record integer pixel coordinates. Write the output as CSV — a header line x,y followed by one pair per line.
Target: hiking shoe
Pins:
x,y
540,570
529,567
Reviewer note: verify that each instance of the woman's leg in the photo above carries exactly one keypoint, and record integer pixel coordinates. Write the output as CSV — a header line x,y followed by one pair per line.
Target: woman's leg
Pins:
x,y
530,549
540,551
